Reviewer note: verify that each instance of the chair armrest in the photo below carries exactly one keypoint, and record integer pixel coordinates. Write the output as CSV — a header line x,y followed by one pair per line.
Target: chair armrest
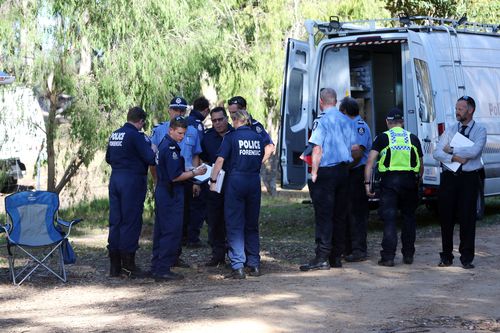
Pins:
x,y
68,224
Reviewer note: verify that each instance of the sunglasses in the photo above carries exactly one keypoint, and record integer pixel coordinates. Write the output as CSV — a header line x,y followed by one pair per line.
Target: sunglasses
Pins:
x,y
178,118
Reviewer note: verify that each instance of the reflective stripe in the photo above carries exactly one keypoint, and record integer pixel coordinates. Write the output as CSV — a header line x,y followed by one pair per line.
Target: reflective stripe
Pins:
x,y
400,148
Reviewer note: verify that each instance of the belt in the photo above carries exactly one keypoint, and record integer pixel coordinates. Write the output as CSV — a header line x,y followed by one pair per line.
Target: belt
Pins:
x,y
335,166
461,172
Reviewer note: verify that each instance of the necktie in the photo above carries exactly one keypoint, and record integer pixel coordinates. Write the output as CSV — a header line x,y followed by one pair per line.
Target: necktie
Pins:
x,y
462,129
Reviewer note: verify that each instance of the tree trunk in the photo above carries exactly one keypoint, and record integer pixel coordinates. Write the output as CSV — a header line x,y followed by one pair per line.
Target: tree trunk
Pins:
x,y
51,135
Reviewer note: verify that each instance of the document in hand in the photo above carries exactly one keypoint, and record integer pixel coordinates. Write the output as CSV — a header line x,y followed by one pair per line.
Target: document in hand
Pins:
x,y
458,141
220,181
203,178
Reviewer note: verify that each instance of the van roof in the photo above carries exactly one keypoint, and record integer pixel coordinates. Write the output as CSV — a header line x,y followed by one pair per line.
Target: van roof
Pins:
x,y
335,28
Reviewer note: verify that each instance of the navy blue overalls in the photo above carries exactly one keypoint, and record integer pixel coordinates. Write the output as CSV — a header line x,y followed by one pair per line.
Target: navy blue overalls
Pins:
x,y
243,149
129,153
215,201
169,203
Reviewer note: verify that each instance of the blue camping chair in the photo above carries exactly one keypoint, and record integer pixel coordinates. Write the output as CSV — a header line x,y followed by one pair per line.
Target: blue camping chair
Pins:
x,y
32,223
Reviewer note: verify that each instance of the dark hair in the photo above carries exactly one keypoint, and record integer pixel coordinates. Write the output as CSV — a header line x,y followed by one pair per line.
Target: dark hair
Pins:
x,y
135,114
349,106
471,103
219,109
238,100
178,122
201,103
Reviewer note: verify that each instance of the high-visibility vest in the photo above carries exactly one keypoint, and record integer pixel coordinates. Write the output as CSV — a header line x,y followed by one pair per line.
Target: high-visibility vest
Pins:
x,y
400,148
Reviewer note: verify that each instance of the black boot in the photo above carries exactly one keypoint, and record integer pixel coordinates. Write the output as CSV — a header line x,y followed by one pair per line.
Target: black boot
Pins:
x,y
115,266
129,267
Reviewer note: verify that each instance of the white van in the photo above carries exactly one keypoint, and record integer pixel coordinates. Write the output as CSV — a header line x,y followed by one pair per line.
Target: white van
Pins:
x,y
421,65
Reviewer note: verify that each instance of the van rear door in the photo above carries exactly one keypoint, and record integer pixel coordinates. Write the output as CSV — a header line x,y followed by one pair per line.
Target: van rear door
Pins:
x,y
424,79
294,115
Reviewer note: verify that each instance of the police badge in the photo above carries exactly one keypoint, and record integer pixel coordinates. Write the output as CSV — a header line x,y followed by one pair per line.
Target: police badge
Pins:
x,y
361,130
174,156
258,129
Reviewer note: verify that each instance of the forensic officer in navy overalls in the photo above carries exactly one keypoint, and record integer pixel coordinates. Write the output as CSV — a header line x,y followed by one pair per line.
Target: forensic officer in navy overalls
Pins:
x,y
198,206
210,145
357,218
129,153
244,150
236,103
190,150
169,202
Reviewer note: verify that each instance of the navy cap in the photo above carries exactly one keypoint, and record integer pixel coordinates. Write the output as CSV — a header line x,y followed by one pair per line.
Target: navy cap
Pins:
x,y
395,114
237,100
178,103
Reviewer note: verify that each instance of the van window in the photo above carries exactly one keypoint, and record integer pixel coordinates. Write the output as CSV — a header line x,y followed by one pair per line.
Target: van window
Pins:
x,y
295,88
425,97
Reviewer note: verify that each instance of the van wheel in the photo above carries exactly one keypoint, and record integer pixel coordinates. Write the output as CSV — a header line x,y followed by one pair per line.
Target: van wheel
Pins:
x,y
480,202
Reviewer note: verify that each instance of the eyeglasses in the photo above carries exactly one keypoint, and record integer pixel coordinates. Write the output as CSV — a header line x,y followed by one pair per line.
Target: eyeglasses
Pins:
x,y
217,120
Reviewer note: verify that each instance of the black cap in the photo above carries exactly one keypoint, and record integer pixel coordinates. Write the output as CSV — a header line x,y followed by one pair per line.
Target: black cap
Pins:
x,y
178,103
470,101
395,114
237,100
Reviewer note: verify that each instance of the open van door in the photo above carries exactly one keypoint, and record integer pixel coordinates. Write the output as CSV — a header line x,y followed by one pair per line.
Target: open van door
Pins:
x,y
424,75
294,115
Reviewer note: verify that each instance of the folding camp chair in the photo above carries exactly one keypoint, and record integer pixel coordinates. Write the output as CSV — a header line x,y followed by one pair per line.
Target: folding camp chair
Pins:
x,y
32,223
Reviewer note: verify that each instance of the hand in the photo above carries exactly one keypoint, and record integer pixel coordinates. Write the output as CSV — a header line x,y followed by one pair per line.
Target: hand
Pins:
x,y
314,176
459,159
154,148
196,190
447,149
212,187
369,193
200,170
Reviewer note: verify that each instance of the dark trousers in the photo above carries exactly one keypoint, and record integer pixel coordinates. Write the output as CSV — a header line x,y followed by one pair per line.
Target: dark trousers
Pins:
x,y
197,214
357,219
169,206
127,192
398,190
330,198
457,204
216,224
241,209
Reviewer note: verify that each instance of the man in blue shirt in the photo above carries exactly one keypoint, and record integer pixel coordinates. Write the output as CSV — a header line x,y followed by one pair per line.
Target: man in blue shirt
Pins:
x,y
190,149
333,137
129,153
357,219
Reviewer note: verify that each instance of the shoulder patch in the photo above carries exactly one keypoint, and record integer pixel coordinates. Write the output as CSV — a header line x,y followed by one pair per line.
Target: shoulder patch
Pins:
x,y
315,124
171,147
200,127
361,130
258,129
175,156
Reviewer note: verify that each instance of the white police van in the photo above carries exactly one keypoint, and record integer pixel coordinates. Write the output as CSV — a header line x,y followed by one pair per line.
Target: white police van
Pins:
x,y
421,65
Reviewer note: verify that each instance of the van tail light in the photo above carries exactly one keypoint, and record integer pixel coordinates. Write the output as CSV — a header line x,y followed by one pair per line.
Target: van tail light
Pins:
x,y
441,128
430,191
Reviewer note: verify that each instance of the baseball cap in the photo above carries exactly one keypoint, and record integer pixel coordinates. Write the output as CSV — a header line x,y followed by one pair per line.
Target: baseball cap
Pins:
x,y
395,114
237,100
178,103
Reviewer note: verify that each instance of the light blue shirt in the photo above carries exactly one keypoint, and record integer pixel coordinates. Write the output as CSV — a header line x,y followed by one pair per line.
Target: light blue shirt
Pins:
x,y
334,132
190,145
476,133
363,138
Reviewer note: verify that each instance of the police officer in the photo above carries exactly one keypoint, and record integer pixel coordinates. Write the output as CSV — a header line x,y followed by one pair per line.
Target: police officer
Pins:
x,y
198,206
333,137
458,190
357,219
190,150
239,103
215,201
169,202
243,151
401,167
129,153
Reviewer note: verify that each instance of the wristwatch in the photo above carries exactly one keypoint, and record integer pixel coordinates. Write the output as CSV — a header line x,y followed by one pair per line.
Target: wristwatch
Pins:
x,y
212,181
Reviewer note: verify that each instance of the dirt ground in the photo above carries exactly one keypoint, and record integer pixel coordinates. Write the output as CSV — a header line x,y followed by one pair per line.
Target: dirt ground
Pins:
x,y
360,297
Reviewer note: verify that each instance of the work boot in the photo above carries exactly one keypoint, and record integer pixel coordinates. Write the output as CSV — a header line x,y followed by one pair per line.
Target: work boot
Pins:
x,y
115,264
129,267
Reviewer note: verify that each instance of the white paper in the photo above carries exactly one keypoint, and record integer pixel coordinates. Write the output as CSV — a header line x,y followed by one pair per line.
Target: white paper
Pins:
x,y
203,178
220,181
458,141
